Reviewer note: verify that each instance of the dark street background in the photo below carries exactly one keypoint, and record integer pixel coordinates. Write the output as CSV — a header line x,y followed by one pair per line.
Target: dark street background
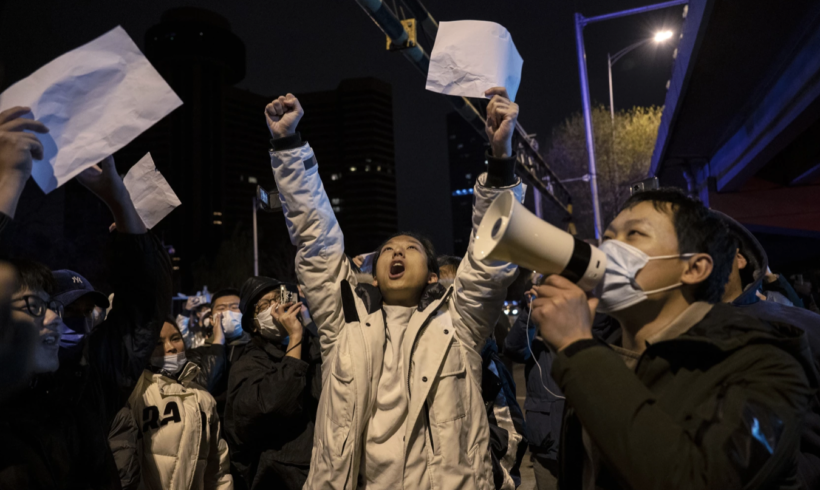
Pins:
x,y
312,45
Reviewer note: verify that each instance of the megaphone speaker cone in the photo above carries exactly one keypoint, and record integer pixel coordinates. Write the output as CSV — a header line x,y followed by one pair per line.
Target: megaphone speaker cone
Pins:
x,y
509,232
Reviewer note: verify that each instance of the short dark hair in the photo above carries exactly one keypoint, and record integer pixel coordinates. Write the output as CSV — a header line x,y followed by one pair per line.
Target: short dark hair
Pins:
x,y
429,250
448,262
225,292
698,231
33,276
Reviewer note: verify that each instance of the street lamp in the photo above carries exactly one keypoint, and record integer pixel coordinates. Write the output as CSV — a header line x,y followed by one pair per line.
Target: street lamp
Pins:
x,y
659,37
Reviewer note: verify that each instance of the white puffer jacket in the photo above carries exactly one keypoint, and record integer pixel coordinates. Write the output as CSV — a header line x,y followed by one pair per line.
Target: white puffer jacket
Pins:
x,y
182,445
447,434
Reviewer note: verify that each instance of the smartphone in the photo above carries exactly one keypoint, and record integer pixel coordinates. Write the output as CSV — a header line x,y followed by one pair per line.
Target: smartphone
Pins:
x,y
263,197
644,185
288,293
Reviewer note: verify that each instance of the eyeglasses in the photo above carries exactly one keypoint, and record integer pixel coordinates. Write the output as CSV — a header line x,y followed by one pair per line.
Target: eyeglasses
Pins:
x,y
266,303
225,307
37,306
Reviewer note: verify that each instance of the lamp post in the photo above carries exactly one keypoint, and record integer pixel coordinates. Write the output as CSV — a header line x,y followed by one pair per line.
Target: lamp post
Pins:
x,y
658,38
580,23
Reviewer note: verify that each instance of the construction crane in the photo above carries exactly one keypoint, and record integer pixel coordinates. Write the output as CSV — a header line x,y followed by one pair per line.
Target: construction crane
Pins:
x,y
402,36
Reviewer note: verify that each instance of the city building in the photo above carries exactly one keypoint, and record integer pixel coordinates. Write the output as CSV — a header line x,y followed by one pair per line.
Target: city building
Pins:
x,y
466,152
213,150
351,131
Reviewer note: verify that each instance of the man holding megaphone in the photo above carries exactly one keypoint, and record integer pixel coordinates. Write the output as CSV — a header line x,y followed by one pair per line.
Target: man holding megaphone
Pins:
x,y
694,394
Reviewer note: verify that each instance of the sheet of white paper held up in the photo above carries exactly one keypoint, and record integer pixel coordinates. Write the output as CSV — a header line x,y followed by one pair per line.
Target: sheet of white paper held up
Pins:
x,y
94,100
471,56
150,192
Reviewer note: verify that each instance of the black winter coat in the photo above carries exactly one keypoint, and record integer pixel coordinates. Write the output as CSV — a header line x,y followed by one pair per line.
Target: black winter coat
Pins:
x,y
271,412
720,406
55,433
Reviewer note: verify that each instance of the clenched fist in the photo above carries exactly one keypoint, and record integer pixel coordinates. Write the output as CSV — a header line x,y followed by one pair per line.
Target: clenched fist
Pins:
x,y
502,114
563,312
283,115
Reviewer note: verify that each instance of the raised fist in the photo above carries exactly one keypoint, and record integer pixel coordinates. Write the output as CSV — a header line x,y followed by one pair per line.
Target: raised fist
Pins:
x,y
502,114
283,115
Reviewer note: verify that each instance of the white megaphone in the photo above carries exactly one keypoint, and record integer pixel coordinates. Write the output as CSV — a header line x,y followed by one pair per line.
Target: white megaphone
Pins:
x,y
509,232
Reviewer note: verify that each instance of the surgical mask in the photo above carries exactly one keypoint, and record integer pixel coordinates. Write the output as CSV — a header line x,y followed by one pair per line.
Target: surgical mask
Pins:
x,y
619,290
73,331
231,324
170,364
269,328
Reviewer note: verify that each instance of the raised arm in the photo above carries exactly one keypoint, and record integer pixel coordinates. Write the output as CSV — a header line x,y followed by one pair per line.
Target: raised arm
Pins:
x,y
480,288
121,347
321,264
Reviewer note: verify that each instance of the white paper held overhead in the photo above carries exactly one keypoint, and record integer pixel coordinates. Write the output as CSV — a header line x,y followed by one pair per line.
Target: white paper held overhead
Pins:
x,y
471,56
94,100
150,192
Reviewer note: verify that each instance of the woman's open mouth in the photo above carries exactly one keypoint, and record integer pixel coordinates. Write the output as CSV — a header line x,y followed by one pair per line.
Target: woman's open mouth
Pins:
x,y
396,269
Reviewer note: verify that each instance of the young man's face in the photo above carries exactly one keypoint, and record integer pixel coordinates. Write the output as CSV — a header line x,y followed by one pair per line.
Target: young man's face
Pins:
x,y
46,325
401,271
652,232
225,303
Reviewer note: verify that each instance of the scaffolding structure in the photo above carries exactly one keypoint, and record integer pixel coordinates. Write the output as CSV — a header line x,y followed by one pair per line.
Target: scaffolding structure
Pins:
x,y
402,36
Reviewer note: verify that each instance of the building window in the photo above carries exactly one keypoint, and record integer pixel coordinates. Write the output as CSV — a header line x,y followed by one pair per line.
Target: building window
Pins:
x,y
368,160
352,169
252,180
459,146
217,213
337,209
217,222
468,176
379,168
335,176
367,168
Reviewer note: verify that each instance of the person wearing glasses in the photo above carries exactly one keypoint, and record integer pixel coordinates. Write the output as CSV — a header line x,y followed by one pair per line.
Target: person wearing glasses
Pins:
x,y
273,391
55,431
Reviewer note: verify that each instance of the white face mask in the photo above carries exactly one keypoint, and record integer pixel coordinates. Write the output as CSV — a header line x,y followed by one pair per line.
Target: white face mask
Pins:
x,y
269,328
170,364
619,290
232,324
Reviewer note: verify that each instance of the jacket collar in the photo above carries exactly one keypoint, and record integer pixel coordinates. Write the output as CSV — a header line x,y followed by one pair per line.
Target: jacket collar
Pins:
x,y
372,296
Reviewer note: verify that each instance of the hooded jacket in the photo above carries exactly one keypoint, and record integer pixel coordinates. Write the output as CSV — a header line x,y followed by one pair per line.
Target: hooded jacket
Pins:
x,y
271,412
808,321
719,406
55,433
446,437
179,434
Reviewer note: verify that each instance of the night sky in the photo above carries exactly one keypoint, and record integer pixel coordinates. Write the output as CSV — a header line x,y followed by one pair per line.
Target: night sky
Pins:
x,y
310,45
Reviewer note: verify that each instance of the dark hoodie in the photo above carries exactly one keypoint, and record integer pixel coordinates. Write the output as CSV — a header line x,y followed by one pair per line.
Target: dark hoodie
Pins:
x,y
719,406
808,321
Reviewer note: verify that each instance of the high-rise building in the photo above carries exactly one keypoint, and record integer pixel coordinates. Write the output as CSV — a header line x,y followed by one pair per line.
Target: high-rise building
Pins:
x,y
466,151
351,131
213,150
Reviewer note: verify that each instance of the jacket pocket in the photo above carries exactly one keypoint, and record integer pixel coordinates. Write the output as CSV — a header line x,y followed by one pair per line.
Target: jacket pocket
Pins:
x,y
447,400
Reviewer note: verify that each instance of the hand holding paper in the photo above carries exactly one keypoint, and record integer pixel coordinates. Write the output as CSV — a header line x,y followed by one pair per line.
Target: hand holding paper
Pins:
x,y
470,57
104,181
95,100
152,196
17,148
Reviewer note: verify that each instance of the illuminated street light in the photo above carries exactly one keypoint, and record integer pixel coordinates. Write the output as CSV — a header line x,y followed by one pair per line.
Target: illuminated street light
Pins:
x,y
663,36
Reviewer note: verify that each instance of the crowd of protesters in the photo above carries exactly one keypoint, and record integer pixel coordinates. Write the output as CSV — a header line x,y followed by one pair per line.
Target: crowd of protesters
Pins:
x,y
694,366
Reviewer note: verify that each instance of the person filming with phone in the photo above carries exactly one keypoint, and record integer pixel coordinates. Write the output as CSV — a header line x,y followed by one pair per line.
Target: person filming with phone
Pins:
x,y
273,389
